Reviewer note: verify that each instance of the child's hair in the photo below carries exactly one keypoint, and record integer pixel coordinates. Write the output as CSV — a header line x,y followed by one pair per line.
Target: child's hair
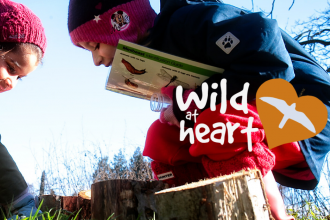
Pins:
x,y
12,46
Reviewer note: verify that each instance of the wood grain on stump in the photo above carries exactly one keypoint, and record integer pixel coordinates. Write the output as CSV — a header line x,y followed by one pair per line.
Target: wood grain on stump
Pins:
x,y
240,196
84,204
69,205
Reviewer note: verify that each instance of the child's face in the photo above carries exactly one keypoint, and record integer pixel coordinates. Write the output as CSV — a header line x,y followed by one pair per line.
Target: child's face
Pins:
x,y
102,53
15,65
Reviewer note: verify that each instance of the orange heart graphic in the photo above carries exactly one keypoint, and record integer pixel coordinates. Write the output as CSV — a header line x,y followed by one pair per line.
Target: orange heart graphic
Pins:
x,y
285,116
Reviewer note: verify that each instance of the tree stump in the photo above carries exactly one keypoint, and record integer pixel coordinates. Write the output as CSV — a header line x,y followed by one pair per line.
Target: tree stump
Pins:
x,y
240,196
124,199
50,203
84,203
69,205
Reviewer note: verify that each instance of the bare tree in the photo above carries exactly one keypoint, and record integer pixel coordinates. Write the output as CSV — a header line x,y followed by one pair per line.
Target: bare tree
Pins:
x,y
273,7
139,167
42,183
314,36
103,170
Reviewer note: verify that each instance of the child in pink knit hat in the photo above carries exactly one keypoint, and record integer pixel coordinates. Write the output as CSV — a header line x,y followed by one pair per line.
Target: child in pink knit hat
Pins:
x,y
250,47
22,47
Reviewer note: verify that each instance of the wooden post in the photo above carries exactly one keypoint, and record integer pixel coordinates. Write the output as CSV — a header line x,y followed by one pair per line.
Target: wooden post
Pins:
x,y
125,199
240,196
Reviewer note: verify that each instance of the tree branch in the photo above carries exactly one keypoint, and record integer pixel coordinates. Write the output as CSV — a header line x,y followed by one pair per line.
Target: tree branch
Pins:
x,y
271,12
320,32
315,41
291,5
300,35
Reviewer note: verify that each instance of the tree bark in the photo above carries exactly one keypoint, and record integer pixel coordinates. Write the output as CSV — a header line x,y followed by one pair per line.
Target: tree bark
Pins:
x,y
240,196
124,199
69,205
84,204
50,202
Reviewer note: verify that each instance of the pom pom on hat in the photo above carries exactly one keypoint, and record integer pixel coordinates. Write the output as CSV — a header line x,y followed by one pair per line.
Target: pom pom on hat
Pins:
x,y
19,24
108,21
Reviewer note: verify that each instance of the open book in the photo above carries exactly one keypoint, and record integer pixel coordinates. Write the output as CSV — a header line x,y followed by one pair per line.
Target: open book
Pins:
x,y
139,71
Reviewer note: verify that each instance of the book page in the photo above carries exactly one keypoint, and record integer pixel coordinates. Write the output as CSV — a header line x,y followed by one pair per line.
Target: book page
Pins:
x,y
139,71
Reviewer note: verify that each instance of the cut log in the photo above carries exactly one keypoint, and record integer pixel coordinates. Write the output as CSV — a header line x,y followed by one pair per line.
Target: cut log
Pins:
x,y
69,205
84,204
124,199
50,202
240,196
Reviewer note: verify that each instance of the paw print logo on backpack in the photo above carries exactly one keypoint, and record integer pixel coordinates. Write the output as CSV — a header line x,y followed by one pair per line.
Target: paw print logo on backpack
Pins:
x,y
227,42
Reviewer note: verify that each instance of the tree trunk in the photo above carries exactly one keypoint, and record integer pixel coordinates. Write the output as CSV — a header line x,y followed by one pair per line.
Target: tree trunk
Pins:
x,y
69,205
50,202
240,196
124,199
84,203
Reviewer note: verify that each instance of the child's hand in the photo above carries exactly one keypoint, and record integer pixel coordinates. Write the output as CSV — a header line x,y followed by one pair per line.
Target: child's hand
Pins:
x,y
167,115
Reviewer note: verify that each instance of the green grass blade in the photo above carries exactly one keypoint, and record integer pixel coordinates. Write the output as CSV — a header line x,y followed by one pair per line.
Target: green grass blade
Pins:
x,y
77,215
110,216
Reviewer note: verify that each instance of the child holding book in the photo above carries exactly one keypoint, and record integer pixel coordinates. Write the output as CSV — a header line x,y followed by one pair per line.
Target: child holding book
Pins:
x,y
250,47
22,46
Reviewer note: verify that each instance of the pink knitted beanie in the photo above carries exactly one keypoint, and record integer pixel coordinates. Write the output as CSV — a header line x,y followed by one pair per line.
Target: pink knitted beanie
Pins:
x,y
107,21
19,24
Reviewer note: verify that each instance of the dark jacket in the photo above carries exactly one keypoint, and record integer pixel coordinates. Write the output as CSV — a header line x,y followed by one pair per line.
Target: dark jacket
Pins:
x,y
191,30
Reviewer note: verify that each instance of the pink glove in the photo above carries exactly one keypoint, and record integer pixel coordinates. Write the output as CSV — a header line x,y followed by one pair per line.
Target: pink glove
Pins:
x,y
167,114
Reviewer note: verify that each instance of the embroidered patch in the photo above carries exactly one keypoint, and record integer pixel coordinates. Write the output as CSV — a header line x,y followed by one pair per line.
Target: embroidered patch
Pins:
x,y
227,42
165,176
97,18
119,20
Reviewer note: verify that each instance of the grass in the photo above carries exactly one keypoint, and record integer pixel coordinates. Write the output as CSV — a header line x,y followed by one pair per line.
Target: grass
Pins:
x,y
58,215
312,213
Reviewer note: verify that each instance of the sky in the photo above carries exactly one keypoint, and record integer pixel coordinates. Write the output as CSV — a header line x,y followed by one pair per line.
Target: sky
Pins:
x,y
64,100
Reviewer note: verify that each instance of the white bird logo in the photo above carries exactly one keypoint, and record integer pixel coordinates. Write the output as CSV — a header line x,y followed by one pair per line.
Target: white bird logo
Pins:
x,y
289,112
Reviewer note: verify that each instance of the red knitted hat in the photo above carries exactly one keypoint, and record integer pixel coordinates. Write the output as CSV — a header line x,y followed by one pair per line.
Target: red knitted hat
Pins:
x,y
107,21
19,24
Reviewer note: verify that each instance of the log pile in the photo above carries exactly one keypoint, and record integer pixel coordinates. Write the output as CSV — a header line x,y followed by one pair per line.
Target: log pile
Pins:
x,y
121,198
240,196
69,205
